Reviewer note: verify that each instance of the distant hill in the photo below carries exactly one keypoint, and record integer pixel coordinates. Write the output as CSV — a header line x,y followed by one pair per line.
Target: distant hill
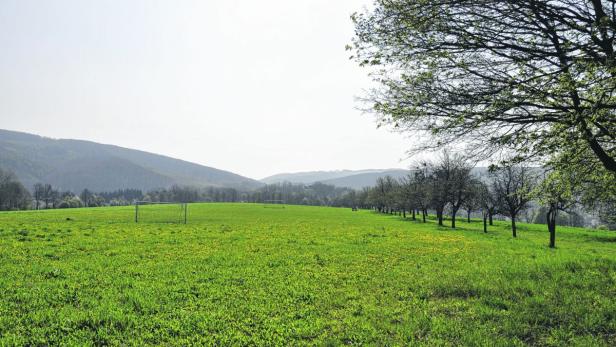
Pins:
x,y
312,176
75,165
355,179
361,180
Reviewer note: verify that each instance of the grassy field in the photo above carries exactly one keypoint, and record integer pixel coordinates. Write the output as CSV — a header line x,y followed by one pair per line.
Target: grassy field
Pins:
x,y
241,274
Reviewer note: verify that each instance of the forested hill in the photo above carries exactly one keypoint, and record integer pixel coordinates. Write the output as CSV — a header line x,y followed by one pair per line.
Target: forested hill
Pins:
x,y
75,165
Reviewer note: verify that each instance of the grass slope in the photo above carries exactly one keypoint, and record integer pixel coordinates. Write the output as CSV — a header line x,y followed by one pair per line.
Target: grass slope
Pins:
x,y
241,274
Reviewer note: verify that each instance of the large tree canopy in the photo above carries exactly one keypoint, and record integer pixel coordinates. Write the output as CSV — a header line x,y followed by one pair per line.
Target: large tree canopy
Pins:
x,y
535,77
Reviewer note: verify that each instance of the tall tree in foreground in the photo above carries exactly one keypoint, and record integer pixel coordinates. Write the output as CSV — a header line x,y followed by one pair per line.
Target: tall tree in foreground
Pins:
x,y
535,77
513,186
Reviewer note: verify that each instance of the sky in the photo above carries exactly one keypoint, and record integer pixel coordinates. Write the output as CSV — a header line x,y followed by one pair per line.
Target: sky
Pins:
x,y
252,87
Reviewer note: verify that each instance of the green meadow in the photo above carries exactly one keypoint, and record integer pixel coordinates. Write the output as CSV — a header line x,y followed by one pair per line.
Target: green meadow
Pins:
x,y
242,274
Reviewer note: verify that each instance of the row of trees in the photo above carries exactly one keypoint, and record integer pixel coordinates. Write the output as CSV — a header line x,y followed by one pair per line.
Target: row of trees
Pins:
x,y
450,186
14,196
45,196
533,80
298,194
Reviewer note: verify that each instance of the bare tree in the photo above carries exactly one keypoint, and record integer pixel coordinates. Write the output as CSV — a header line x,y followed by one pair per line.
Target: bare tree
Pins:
x,y
472,202
86,197
422,188
439,189
383,194
39,191
460,184
512,186
406,195
488,200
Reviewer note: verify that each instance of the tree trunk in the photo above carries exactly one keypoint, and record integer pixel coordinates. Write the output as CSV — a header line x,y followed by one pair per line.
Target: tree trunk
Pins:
x,y
513,227
490,218
552,228
423,214
468,216
551,219
413,211
439,215
485,224
403,213
453,219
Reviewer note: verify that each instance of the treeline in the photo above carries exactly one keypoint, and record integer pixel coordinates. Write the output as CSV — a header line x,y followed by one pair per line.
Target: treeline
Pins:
x,y
448,186
14,196
538,93
318,194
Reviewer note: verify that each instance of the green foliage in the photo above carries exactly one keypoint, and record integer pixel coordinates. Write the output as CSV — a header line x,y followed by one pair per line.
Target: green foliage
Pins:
x,y
530,77
239,274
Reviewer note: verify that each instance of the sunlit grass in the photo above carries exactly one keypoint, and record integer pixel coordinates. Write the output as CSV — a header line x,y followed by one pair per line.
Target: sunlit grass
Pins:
x,y
243,274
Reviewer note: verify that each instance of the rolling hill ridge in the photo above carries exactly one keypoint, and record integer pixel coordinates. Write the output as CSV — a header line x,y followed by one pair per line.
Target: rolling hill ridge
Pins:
x,y
355,179
75,164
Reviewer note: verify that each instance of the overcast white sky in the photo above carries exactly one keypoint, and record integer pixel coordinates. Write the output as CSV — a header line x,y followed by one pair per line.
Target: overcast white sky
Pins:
x,y
253,87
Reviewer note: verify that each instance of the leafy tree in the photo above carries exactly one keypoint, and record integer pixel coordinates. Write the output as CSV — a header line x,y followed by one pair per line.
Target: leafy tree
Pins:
x,y
535,77
569,217
557,193
595,186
